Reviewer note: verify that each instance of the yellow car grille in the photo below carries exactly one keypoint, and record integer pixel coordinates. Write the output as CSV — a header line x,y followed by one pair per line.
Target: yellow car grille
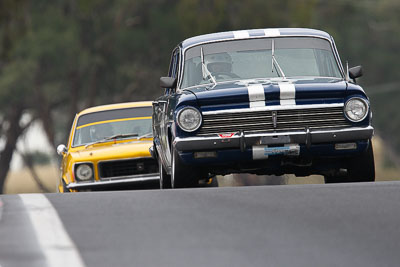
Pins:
x,y
125,168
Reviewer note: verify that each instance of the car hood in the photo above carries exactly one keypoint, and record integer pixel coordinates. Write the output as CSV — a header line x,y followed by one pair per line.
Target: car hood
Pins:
x,y
243,94
112,151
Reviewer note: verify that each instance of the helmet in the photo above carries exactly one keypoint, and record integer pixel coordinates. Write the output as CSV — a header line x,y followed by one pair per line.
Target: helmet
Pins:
x,y
219,63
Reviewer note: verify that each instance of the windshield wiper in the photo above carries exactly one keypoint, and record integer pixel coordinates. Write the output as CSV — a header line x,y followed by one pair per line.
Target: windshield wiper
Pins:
x,y
275,62
206,73
116,136
144,135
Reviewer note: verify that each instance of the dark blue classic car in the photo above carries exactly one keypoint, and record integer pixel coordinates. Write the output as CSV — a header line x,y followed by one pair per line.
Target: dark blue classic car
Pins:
x,y
264,101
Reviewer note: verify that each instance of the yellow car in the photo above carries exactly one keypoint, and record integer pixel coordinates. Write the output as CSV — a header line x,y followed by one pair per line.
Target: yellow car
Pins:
x,y
108,146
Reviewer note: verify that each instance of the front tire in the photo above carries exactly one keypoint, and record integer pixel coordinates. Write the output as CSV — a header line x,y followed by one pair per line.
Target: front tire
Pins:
x,y
359,169
165,179
362,168
64,187
181,175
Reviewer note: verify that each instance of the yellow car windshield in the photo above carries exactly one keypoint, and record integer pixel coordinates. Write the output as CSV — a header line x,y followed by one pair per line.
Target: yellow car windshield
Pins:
x,y
90,129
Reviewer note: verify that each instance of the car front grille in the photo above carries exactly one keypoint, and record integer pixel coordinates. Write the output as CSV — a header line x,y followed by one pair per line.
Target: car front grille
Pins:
x,y
274,121
123,168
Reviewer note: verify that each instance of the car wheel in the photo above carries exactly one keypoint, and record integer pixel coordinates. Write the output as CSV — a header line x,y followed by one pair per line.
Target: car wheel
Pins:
x,y
181,176
359,169
165,179
362,168
64,187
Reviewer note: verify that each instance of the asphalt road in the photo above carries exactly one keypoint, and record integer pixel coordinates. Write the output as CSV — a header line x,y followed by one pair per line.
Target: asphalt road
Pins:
x,y
289,225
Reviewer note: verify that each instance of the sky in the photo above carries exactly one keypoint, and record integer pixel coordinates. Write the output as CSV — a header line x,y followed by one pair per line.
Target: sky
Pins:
x,y
33,140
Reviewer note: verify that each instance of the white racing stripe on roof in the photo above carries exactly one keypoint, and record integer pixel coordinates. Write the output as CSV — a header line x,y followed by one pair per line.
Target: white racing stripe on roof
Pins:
x,y
287,94
272,32
256,95
241,34
54,241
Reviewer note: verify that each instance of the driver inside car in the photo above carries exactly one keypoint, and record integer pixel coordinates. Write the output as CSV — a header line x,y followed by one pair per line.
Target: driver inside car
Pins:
x,y
220,65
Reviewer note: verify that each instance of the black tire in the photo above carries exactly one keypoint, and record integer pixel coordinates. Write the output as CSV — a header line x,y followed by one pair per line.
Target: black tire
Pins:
x,y
362,168
165,179
64,186
181,176
359,169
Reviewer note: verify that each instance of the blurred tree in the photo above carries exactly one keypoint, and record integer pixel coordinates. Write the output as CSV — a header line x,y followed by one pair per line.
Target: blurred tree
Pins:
x,y
13,21
58,57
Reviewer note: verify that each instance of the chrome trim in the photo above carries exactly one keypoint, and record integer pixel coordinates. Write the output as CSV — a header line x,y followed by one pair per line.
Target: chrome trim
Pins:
x,y
122,159
298,137
134,179
183,50
273,108
362,100
274,118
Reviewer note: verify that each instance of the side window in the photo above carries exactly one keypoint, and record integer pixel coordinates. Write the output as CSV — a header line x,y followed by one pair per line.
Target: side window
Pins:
x,y
171,64
174,66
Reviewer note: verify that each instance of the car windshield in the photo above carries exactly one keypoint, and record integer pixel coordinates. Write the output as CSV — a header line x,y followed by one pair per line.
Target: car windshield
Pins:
x,y
253,59
118,123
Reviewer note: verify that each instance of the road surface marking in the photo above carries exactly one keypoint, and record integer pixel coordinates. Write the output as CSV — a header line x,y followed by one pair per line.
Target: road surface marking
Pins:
x,y
57,246
1,211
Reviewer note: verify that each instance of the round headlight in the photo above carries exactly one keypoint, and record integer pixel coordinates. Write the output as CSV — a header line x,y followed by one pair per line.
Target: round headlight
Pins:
x,y
84,172
189,119
356,109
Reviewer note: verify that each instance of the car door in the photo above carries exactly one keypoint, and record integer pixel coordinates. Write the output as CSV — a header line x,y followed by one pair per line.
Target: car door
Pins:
x,y
163,114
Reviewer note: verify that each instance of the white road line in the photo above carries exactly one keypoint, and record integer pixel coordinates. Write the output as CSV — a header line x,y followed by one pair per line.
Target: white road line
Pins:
x,y
1,211
57,246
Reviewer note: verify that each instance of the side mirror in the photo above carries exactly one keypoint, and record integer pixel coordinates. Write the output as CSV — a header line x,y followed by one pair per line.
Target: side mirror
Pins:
x,y
61,150
167,82
355,72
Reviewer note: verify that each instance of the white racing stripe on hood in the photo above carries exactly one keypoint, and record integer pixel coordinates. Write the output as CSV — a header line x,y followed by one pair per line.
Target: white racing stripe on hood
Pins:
x,y
287,94
272,32
241,34
256,95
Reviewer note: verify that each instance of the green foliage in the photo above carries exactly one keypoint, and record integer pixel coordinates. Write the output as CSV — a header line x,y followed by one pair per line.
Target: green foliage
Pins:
x,y
69,55
38,158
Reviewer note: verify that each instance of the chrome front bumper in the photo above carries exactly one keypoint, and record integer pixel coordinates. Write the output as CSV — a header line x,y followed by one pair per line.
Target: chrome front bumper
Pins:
x,y
112,182
242,141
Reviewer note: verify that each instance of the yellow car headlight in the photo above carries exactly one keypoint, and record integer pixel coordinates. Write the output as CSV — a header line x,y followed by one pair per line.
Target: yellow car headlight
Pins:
x,y
84,172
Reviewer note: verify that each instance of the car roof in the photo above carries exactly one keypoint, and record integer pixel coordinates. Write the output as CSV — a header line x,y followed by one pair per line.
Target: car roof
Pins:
x,y
116,106
253,33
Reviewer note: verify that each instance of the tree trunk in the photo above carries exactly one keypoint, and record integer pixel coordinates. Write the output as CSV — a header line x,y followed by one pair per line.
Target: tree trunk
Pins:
x,y
12,134
29,163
